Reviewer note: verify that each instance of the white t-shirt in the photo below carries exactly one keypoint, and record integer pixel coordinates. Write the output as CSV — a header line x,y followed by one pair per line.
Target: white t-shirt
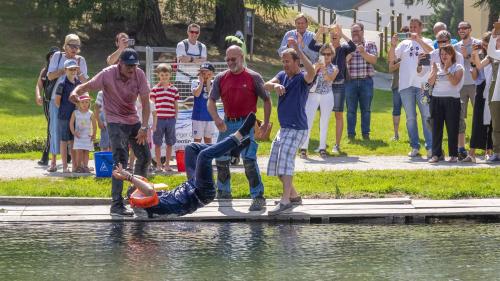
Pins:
x,y
194,51
408,52
443,87
54,66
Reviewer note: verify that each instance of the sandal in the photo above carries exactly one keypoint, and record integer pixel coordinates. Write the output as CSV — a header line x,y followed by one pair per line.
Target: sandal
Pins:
x,y
303,153
322,153
168,169
52,169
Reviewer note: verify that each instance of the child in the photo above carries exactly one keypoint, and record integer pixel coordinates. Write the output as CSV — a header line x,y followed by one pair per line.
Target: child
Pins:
x,y
104,142
165,96
203,125
151,124
83,126
66,108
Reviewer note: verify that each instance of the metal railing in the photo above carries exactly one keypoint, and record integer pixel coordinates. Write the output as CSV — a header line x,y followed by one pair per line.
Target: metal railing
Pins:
x,y
183,73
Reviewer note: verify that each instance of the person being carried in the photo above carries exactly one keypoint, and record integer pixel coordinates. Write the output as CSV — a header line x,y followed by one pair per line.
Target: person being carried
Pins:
x,y
199,189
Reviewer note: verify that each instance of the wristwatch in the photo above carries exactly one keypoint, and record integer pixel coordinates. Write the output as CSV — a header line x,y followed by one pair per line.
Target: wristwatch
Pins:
x,y
144,128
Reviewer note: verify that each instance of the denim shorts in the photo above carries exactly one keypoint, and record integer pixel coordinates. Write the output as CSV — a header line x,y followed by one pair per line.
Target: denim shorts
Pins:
x,y
165,128
64,131
338,97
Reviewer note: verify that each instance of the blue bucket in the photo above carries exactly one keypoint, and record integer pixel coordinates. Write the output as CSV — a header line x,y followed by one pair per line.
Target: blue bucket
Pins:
x,y
103,164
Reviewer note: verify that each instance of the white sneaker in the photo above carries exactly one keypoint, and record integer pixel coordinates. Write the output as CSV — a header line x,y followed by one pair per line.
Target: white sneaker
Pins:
x,y
336,149
429,153
413,153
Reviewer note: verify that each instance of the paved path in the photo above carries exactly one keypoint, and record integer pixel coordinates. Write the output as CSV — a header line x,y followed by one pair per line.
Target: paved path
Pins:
x,y
12,169
385,210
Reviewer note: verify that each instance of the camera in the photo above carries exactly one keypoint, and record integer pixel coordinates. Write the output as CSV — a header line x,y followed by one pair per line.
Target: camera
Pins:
x,y
131,42
403,35
426,61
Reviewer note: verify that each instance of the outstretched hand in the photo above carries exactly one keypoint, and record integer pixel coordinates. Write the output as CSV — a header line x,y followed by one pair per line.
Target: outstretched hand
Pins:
x,y
119,173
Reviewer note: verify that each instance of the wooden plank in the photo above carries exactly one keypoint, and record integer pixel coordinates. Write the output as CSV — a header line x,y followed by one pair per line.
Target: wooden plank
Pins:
x,y
456,203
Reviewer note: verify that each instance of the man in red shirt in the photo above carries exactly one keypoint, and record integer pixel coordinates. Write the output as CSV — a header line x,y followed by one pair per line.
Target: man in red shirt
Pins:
x,y
238,88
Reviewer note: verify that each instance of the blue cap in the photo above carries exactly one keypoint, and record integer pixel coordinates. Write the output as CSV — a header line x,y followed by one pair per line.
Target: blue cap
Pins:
x,y
70,64
207,66
129,57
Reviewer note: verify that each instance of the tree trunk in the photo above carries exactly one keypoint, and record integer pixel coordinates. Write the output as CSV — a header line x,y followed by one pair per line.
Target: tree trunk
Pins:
x,y
149,26
229,17
493,16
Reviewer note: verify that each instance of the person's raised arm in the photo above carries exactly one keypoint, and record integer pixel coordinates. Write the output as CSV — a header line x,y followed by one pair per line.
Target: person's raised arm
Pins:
x,y
39,89
284,43
330,76
418,38
368,57
115,56
492,46
197,90
310,72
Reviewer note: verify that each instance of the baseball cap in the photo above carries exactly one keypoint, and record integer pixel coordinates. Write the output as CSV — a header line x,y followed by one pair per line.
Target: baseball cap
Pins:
x,y
70,64
129,57
84,97
207,66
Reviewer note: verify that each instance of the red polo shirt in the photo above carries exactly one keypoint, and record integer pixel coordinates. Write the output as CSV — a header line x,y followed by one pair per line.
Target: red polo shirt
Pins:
x,y
238,92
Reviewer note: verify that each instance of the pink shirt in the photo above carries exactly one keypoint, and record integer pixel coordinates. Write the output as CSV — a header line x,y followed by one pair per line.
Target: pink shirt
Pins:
x,y
119,96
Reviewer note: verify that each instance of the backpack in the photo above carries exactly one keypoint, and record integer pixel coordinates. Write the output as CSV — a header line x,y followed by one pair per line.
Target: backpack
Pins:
x,y
186,46
48,86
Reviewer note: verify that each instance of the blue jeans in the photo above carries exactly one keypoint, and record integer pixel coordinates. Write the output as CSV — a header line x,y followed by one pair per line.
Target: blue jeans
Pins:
x,y
411,98
249,155
120,136
359,91
396,102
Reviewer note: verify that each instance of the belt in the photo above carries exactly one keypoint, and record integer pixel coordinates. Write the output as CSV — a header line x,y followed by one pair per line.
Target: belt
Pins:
x,y
235,119
361,78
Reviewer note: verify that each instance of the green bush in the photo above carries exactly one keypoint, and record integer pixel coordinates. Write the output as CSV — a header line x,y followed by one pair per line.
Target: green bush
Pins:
x,y
17,146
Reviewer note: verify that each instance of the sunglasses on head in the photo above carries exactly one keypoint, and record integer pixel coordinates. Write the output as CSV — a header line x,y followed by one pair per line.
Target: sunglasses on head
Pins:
x,y
194,32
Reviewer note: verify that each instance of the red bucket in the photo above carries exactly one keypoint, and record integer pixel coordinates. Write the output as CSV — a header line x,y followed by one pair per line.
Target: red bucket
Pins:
x,y
179,157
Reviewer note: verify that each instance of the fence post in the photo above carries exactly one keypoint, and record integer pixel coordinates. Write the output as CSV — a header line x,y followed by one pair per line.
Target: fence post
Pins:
x,y
323,21
392,25
149,64
334,17
400,21
385,39
381,53
299,6
378,20
331,15
319,14
355,16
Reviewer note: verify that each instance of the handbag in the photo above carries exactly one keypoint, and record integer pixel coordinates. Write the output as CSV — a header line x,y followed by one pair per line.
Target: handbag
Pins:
x,y
264,136
50,84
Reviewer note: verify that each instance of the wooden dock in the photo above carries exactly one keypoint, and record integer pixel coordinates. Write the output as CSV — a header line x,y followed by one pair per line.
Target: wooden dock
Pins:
x,y
385,210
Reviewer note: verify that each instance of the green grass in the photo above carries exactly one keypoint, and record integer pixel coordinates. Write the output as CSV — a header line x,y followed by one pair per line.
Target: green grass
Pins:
x,y
452,184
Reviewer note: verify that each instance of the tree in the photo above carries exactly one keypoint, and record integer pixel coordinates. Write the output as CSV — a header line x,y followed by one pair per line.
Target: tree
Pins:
x,y
450,12
150,27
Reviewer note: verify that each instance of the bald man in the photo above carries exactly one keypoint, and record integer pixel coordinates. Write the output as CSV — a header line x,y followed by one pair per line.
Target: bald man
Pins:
x,y
239,88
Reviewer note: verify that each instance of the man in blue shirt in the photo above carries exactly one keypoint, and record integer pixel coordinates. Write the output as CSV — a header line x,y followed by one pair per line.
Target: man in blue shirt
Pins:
x,y
292,86
302,36
438,27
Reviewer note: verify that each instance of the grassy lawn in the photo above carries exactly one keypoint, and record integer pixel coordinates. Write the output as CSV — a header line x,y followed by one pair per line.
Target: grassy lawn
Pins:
x,y
452,184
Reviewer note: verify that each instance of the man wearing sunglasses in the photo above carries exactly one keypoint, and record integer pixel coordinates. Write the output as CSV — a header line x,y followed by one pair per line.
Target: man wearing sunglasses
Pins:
x,y
239,88
190,50
468,91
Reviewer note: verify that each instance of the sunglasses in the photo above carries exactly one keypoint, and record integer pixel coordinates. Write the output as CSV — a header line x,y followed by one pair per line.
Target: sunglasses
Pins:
x,y
194,32
326,54
74,46
231,59
443,41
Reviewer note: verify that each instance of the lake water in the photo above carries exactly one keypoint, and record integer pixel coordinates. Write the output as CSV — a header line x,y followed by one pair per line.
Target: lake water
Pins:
x,y
248,251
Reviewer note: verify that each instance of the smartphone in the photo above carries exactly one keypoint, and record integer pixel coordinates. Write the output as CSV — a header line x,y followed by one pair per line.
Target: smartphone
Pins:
x,y
131,42
426,61
403,35
496,25
321,59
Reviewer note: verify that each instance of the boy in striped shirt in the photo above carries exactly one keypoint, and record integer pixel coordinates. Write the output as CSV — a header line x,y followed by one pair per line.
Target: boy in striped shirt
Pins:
x,y
165,96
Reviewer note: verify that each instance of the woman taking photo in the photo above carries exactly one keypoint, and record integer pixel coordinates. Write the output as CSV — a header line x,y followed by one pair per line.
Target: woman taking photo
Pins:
x,y
56,72
447,79
42,100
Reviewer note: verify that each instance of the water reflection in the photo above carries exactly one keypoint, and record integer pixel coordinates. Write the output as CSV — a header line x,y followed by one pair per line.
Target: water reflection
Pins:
x,y
243,251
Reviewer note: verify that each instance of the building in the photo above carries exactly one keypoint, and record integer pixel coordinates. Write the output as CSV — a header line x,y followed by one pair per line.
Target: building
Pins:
x,y
367,8
478,18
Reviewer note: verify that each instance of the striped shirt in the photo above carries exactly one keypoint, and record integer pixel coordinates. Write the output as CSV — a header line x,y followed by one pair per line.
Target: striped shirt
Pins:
x,y
358,67
164,99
